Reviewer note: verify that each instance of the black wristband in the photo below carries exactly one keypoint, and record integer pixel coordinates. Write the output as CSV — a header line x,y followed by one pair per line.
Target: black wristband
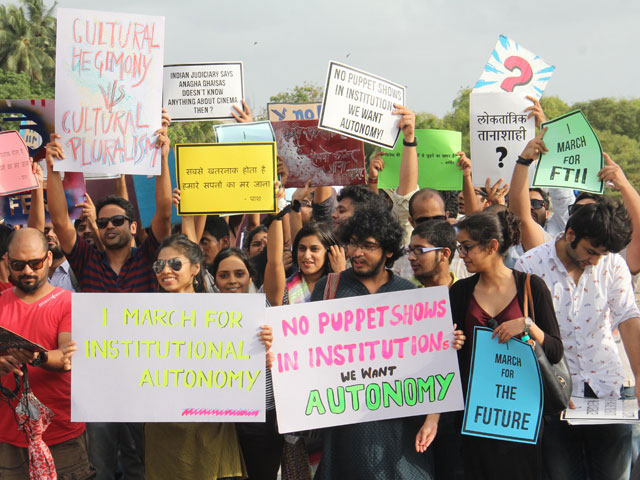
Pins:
x,y
410,144
524,161
40,359
296,206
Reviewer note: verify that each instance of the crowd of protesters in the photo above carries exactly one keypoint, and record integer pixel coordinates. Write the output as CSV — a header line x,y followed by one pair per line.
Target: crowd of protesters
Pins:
x,y
578,250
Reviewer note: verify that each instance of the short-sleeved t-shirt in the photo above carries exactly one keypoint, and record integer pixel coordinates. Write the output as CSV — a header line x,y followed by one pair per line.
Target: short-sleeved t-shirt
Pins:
x,y
40,322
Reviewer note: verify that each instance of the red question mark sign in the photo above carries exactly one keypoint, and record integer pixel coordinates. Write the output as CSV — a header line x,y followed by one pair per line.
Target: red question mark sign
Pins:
x,y
526,74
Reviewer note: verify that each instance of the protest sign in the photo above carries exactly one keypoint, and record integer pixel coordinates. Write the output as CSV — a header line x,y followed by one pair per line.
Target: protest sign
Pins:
x,y
282,112
202,91
359,105
364,358
109,91
505,393
574,157
601,411
514,69
437,161
145,187
226,178
16,172
34,119
327,158
499,131
158,357
244,132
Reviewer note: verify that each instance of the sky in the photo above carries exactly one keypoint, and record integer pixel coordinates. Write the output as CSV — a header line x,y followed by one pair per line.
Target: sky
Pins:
x,y
433,47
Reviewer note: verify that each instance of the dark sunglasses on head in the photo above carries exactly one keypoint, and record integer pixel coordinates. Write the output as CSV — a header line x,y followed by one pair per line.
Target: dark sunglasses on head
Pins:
x,y
575,207
175,264
116,221
537,204
35,264
428,219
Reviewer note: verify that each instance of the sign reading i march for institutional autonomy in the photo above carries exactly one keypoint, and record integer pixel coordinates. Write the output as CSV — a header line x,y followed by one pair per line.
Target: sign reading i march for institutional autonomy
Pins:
x,y
364,358
359,105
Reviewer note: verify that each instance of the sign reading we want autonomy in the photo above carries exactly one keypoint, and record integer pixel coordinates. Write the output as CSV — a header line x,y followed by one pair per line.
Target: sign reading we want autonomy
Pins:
x,y
364,358
109,91
159,357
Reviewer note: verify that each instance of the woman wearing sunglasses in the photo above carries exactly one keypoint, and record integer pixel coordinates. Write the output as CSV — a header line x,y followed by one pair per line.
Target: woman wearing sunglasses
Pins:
x,y
494,296
204,451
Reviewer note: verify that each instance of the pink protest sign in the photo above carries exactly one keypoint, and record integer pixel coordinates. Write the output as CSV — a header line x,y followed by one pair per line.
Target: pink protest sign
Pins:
x,y
16,174
325,157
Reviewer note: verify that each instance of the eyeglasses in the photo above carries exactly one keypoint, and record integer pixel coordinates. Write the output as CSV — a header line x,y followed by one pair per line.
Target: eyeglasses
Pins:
x,y
537,204
116,221
428,219
575,207
35,264
464,249
365,246
175,264
421,250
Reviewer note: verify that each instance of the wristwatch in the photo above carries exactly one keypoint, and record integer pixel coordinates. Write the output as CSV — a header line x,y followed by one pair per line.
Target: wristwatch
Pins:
x,y
40,359
527,325
410,144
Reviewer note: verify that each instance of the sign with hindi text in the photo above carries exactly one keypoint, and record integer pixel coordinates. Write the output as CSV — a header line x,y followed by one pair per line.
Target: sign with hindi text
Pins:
x,y
16,172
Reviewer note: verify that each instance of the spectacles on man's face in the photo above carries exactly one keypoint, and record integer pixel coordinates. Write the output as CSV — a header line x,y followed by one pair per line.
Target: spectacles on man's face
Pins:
x,y
35,264
116,221
464,249
175,264
537,204
421,250
428,219
365,246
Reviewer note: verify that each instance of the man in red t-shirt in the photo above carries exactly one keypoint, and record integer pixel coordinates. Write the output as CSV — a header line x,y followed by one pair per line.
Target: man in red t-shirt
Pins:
x,y
41,313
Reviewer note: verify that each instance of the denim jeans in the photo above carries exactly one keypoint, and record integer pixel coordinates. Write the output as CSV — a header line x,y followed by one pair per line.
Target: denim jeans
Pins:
x,y
111,444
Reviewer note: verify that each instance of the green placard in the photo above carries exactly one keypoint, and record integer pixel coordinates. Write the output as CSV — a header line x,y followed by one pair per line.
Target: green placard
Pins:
x,y
437,161
574,157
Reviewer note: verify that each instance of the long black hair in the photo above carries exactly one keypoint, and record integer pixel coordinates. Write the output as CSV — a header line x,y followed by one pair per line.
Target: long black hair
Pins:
x,y
325,235
190,250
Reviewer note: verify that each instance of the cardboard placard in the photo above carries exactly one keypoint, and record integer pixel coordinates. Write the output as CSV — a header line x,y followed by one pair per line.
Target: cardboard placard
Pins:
x,y
282,112
244,132
16,172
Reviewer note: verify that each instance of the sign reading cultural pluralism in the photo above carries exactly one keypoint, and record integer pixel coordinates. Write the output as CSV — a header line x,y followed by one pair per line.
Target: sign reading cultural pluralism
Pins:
x,y
437,161
499,131
109,91
283,112
202,91
514,69
221,178
574,157
160,357
325,157
364,358
16,173
505,394
359,105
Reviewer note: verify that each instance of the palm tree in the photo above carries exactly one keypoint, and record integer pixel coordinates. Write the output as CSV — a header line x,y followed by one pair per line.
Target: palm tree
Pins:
x,y
27,42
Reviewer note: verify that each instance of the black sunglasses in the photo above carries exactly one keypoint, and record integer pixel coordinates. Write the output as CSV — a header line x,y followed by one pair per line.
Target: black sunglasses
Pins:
x,y
35,264
575,207
116,221
175,264
537,204
428,219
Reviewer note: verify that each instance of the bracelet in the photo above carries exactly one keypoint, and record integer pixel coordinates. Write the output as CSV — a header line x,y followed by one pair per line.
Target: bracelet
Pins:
x,y
41,359
410,144
524,161
296,206
373,180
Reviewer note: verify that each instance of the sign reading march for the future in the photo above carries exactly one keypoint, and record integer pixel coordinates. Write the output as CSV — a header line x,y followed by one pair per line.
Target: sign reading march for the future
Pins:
x,y
159,357
202,91
359,105
505,393
108,91
365,358
574,157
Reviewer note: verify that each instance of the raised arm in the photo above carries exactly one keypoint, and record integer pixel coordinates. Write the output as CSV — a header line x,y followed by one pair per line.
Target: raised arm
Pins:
x,y
274,276
471,204
408,181
36,217
161,222
121,187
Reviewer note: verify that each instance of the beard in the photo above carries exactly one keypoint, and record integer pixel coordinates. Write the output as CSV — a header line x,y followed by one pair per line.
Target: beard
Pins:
x,y
373,271
121,241
28,287
56,252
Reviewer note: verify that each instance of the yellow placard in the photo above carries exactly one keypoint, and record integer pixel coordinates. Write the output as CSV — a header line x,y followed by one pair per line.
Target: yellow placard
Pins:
x,y
217,178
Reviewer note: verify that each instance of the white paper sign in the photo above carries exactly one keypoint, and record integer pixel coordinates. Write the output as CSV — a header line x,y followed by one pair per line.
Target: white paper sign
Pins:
x,y
109,91
364,358
601,411
499,131
359,105
202,91
160,357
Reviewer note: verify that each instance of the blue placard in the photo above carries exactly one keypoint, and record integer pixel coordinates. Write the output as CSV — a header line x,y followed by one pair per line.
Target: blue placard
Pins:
x,y
244,132
505,394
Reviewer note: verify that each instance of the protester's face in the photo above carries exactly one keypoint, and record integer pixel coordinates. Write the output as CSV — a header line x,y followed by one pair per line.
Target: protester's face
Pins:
x,y
53,242
85,232
210,247
538,214
344,211
114,237
172,280
311,255
427,208
29,279
424,265
367,257
232,276
585,253
258,243
473,254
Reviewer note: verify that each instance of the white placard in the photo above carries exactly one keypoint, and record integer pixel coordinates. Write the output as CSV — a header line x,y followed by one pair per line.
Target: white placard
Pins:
x,y
601,411
160,357
499,129
202,91
364,358
359,105
109,91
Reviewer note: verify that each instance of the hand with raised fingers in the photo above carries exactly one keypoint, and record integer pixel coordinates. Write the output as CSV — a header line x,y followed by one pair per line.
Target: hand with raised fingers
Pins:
x,y
242,115
536,111
407,122
535,147
88,209
37,171
496,194
337,258
613,173
464,164
53,150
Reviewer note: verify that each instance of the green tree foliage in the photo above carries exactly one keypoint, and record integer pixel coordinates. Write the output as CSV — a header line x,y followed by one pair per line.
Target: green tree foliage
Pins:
x,y
554,107
192,132
21,85
305,93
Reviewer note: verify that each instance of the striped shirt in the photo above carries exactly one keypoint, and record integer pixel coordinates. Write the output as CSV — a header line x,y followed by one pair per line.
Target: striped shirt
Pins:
x,y
94,273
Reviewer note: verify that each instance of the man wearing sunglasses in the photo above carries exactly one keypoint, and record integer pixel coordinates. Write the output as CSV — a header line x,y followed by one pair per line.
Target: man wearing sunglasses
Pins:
x,y
40,312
